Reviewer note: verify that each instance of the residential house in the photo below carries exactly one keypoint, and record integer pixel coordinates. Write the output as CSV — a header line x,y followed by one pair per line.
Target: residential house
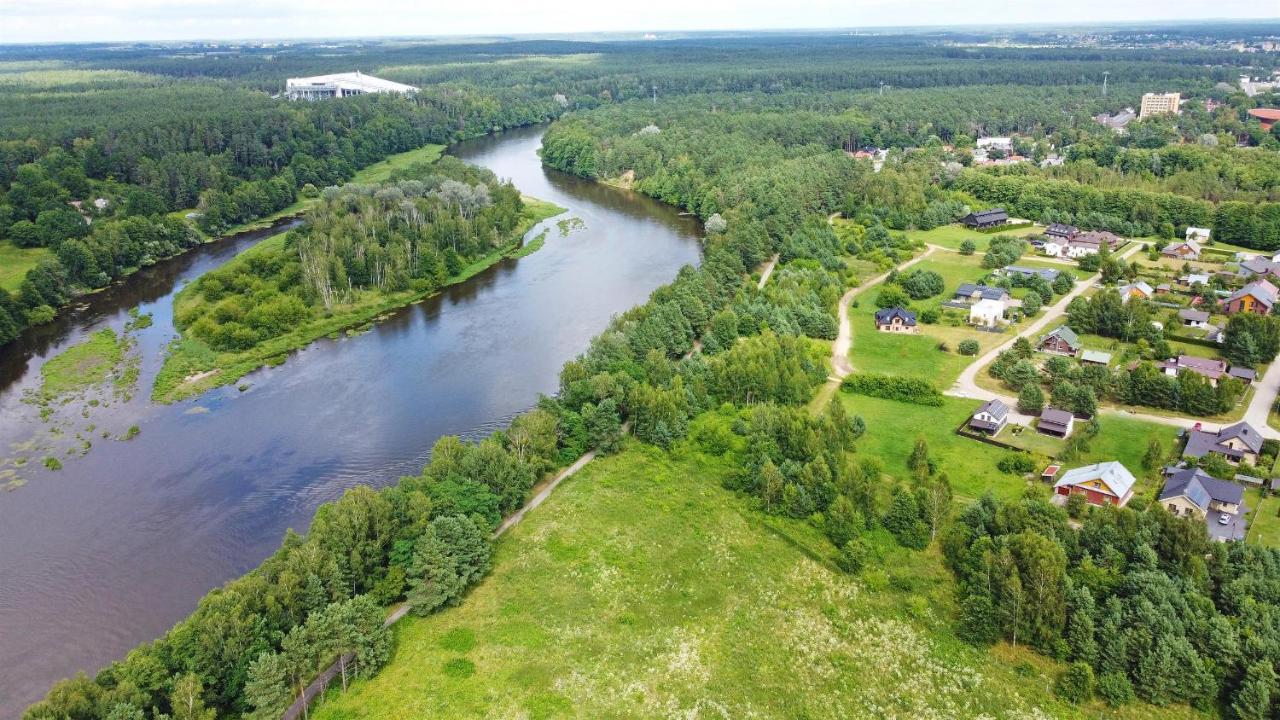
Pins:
x,y
1193,493
986,218
1198,234
969,293
1237,443
1258,297
1193,318
1059,231
1259,267
1164,289
990,418
987,312
1062,341
1267,117
1186,250
1118,121
1003,144
1139,290
1245,375
1054,248
1079,248
1058,423
1207,368
1049,274
1101,483
896,320
1095,357
1195,279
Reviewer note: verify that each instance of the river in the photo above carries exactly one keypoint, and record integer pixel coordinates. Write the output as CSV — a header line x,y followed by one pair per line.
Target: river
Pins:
x,y
120,543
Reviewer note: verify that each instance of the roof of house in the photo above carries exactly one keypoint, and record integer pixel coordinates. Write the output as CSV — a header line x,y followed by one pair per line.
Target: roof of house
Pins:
x,y
1116,477
1061,229
1261,290
987,292
995,408
996,213
1244,373
1193,315
1047,273
1140,286
1096,356
1265,113
1208,367
886,316
1066,334
1193,278
1054,416
1200,487
1172,248
1200,442
1097,237
1257,266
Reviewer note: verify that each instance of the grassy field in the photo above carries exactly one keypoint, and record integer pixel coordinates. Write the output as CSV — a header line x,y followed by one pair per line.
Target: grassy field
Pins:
x,y
191,368
381,171
15,262
1264,521
643,589
950,236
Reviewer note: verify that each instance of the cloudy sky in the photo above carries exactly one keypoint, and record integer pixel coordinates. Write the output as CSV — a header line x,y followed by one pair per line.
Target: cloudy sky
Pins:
x,y
81,20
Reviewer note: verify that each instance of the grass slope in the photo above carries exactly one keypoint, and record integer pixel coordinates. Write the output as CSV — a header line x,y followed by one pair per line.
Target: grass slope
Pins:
x,y
192,368
15,262
643,589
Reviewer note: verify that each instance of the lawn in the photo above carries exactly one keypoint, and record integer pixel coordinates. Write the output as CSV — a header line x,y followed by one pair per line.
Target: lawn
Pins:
x,y
1264,522
90,362
919,355
950,236
381,171
643,589
15,262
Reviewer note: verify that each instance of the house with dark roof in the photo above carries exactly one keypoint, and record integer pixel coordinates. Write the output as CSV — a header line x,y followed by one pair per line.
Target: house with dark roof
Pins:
x,y
1060,231
896,320
1062,341
990,418
1055,422
1104,483
1208,368
1193,493
1245,375
1258,297
1236,443
970,293
986,218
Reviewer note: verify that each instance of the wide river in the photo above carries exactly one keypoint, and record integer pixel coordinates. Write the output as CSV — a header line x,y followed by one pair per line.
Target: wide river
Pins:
x,y
120,543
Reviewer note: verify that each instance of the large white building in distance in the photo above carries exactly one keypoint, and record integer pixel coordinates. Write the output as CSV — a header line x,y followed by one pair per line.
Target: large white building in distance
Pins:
x,y
340,85
1159,104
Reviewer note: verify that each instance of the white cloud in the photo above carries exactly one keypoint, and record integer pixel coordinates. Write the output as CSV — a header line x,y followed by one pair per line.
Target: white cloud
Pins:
x,y
80,20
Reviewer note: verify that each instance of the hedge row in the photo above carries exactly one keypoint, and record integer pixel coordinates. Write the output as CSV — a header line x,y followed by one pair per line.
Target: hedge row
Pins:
x,y
891,387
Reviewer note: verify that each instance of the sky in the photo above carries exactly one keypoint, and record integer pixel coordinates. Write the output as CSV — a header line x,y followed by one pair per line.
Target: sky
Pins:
x,y
112,20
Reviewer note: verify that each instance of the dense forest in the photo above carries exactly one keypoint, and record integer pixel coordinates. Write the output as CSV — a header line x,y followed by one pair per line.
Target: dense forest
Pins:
x,y
758,145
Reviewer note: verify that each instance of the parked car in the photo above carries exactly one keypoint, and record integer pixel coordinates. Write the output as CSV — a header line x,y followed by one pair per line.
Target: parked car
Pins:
x,y
1223,519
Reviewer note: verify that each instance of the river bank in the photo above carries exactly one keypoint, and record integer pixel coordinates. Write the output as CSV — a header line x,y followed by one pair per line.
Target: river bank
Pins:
x,y
191,368
205,490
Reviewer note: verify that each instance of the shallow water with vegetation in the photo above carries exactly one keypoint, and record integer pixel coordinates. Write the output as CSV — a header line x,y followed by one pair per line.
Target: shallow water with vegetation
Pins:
x,y
203,489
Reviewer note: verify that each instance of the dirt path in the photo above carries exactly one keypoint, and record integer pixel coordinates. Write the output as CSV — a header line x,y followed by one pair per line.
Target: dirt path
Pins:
x,y
840,366
966,385
766,270
318,686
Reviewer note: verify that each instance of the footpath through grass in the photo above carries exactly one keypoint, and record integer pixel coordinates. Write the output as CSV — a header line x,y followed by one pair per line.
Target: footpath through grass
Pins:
x,y
192,368
642,589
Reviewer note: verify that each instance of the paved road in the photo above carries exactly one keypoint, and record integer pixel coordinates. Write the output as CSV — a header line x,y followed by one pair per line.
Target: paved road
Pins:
x,y
966,385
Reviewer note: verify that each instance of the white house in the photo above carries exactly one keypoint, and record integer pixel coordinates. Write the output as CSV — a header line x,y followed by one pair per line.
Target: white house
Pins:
x,y
339,85
1054,248
990,418
1078,249
1003,144
987,312
1200,235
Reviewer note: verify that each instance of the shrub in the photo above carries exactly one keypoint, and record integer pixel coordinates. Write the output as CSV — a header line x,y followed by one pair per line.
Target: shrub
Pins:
x,y
892,296
1031,399
40,314
1075,505
921,284
968,347
853,556
1075,684
1115,688
891,387
967,247
1016,464
929,317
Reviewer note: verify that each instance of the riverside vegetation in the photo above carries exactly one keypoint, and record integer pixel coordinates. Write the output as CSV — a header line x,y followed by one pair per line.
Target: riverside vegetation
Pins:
x,y
363,250
661,570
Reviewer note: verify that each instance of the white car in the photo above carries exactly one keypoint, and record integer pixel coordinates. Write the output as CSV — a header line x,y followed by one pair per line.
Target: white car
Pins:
x,y
1224,519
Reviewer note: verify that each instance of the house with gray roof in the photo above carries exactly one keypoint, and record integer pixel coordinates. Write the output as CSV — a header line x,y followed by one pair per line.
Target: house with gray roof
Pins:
x,y
1101,483
990,418
1236,443
1055,422
1049,274
970,293
1193,493
1193,318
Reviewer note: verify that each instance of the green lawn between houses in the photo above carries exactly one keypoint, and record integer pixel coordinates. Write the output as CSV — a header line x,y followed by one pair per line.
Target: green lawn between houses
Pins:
x,y
641,588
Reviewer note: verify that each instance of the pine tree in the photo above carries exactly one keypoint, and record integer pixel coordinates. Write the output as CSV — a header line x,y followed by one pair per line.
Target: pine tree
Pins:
x,y
919,462
1253,700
